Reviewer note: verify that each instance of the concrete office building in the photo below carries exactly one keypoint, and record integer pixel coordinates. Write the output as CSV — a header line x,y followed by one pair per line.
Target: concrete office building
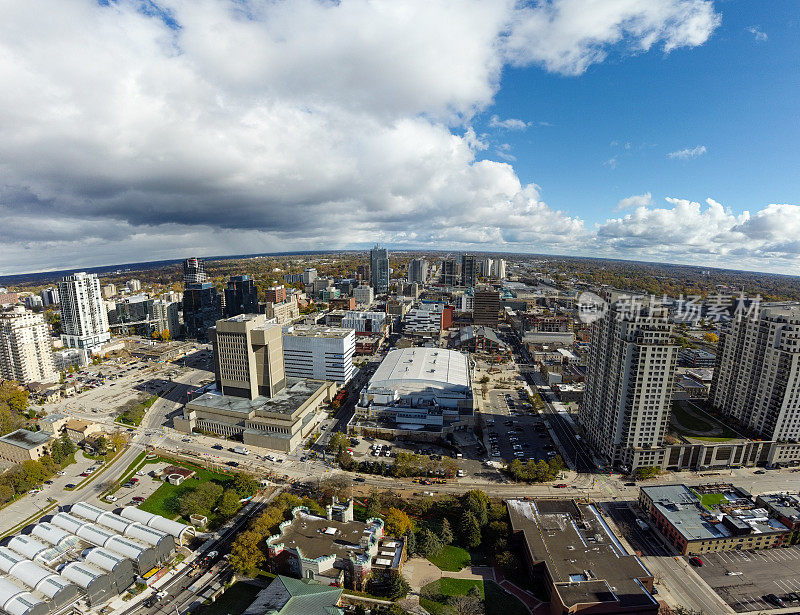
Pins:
x,y
364,322
570,549
628,393
109,290
757,375
486,308
49,296
248,356
418,271
309,275
280,422
24,445
26,353
134,286
283,312
319,352
83,316
364,295
469,270
241,296
419,389
379,269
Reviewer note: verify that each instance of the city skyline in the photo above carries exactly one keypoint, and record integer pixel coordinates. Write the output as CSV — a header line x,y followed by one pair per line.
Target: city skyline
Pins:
x,y
659,131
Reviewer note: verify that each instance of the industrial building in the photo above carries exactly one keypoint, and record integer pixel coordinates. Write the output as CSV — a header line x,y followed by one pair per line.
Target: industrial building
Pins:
x,y
420,389
571,550
87,553
710,518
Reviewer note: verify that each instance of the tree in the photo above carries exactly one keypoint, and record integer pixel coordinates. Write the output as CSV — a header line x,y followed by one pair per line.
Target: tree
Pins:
x,y
117,441
446,533
388,583
244,485
476,502
346,461
373,508
711,338
339,486
9,421
411,543
470,530
466,605
12,397
397,522
246,553
428,543
201,500
61,449
101,445
338,443
229,503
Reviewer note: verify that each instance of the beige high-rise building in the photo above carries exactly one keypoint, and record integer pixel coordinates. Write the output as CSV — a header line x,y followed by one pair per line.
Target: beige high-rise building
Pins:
x,y
628,395
757,374
248,356
26,352
109,290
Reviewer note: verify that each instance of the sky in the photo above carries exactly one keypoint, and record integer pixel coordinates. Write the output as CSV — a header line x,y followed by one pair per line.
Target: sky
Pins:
x,y
658,130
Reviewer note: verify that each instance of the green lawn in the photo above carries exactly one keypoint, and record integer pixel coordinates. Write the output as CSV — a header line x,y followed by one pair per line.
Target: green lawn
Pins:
x,y
236,599
164,500
496,600
451,558
711,500
695,422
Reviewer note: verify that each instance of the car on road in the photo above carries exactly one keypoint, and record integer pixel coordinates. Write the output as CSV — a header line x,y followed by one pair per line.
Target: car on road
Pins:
x,y
61,473
630,484
561,486
359,479
696,561
217,447
48,482
760,472
34,491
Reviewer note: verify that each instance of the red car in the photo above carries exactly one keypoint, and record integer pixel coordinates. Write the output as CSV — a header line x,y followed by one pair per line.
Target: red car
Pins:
x,y
138,498
561,486
696,561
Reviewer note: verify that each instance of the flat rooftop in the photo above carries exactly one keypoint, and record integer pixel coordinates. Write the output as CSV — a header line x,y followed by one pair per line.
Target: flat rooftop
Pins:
x,y
585,561
430,366
318,537
26,439
317,331
681,507
285,402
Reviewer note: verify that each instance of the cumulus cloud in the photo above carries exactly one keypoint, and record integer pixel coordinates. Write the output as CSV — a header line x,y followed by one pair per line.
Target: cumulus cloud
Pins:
x,y
149,130
758,33
688,153
636,200
507,124
690,232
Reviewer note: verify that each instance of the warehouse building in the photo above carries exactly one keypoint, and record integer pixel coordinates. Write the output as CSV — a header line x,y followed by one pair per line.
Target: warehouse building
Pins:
x,y
37,578
163,543
16,601
95,583
180,532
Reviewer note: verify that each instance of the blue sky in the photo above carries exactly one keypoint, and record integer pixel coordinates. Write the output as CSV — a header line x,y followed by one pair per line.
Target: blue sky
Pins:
x,y
738,95
157,129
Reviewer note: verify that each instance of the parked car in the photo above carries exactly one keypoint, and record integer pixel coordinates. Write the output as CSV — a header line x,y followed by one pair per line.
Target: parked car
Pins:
x,y
61,473
138,498
70,486
111,498
773,599
696,561
561,486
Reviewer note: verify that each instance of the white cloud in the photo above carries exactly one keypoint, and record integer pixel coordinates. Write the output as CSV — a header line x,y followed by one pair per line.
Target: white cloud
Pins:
x,y
568,36
612,162
758,33
688,153
249,126
636,200
507,124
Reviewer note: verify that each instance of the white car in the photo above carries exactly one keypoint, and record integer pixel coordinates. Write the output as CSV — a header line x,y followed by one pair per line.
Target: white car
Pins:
x,y
141,473
111,498
61,473
34,491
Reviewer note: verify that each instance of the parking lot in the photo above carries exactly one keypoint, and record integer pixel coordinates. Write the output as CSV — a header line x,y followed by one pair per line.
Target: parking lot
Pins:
x,y
743,578
511,431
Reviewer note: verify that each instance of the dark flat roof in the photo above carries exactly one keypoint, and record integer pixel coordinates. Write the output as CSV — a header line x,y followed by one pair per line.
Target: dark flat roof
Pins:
x,y
26,439
584,560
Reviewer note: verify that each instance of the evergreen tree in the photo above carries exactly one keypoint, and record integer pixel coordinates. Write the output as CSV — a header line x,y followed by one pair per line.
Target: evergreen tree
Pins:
x,y
470,530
